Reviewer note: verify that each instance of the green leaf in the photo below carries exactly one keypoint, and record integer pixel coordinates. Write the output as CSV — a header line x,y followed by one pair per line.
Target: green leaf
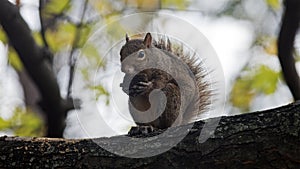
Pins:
x,y
14,59
85,73
269,43
61,37
38,38
104,7
114,29
3,37
274,4
255,81
100,91
24,123
242,94
265,80
84,35
143,5
27,123
57,6
91,52
180,4
4,124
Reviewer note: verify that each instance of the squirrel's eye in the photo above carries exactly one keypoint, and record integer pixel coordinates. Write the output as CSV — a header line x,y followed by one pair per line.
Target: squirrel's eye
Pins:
x,y
141,54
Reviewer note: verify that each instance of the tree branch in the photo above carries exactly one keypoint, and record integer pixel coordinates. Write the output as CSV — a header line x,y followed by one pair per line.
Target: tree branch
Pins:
x,y
41,6
289,27
72,59
268,139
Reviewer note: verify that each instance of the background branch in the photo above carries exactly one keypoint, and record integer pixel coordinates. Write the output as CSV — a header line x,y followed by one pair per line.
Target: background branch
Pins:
x,y
41,6
72,58
289,27
37,67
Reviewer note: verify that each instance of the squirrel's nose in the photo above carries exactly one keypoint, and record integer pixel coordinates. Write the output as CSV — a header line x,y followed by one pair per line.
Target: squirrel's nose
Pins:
x,y
127,69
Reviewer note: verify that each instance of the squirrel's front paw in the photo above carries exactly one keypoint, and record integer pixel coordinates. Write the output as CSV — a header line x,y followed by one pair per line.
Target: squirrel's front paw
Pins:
x,y
140,88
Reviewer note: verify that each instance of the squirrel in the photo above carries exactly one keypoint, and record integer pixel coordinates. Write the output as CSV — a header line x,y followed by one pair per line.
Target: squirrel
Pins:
x,y
165,86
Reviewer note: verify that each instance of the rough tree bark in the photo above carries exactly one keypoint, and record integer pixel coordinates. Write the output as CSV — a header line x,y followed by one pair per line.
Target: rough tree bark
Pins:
x,y
33,58
267,139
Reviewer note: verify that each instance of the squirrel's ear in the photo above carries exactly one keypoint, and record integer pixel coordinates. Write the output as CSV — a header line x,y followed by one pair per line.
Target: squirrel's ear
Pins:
x,y
126,37
148,40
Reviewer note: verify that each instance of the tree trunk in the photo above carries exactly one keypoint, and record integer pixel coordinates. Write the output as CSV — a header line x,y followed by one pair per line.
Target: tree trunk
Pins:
x,y
34,59
267,139
31,92
289,26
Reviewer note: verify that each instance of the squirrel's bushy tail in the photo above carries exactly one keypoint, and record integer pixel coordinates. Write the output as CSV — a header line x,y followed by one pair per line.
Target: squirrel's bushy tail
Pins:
x,y
197,68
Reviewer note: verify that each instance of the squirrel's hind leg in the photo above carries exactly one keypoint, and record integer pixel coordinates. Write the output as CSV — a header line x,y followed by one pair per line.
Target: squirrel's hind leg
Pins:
x,y
137,130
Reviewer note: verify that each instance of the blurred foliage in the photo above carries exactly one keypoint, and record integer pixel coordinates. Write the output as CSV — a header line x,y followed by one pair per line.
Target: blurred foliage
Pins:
x,y
23,123
262,80
91,52
177,4
85,32
100,91
14,59
37,37
274,4
61,37
56,7
269,44
3,37
105,7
